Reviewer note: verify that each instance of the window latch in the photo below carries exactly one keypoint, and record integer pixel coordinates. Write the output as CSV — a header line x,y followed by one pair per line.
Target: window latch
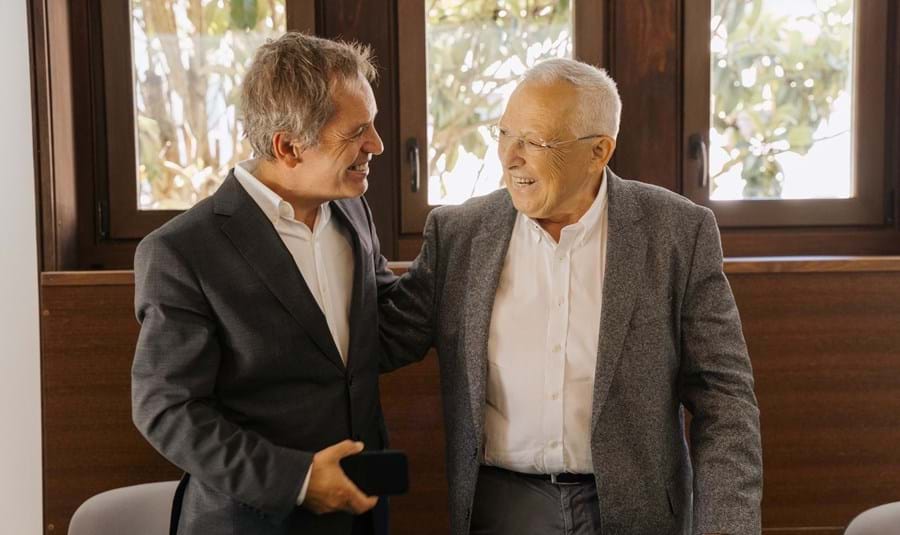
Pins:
x,y
412,157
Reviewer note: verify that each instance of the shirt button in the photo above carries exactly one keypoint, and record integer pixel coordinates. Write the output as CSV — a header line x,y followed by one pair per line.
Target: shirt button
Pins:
x,y
554,443
557,348
562,301
555,396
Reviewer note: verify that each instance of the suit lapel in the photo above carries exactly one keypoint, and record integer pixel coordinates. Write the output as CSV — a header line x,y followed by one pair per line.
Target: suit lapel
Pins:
x,y
626,251
486,258
258,242
357,298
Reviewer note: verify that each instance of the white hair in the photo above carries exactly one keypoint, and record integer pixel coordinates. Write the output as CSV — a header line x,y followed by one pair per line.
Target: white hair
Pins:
x,y
600,106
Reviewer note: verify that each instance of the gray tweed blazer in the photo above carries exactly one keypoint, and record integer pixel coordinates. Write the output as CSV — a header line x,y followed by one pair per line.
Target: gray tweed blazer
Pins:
x,y
670,337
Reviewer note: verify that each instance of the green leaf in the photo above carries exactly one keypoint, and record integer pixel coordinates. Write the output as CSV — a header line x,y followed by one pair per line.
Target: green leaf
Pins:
x,y
452,157
800,136
243,14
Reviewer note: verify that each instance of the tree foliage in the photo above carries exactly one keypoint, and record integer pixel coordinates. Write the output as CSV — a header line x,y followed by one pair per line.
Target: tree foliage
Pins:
x,y
476,51
774,82
191,56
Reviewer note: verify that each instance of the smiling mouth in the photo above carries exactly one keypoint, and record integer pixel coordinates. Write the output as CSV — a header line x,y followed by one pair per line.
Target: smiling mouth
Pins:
x,y
360,168
522,181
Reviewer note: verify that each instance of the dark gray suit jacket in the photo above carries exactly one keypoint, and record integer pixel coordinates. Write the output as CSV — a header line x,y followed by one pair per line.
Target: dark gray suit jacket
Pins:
x,y
670,335
236,378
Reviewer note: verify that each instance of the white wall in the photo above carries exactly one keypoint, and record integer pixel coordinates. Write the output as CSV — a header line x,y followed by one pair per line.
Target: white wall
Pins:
x,y
20,402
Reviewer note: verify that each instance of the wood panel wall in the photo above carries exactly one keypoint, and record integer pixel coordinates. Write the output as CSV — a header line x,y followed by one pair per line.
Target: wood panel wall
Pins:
x,y
823,338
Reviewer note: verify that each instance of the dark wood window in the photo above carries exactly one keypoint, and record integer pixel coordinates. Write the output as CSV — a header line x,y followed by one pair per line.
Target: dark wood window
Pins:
x,y
172,75
458,61
657,51
785,111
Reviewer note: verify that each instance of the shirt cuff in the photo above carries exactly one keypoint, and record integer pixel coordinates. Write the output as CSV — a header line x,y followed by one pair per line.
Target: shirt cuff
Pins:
x,y
305,486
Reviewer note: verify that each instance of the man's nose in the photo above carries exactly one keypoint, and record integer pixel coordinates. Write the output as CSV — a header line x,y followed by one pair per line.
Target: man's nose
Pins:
x,y
511,153
373,143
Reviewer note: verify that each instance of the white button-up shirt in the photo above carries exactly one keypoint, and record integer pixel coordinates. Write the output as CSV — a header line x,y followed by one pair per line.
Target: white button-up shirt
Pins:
x,y
542,346
323,255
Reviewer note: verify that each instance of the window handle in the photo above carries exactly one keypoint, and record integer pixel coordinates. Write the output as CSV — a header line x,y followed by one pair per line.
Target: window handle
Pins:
x,y
699,150
412,157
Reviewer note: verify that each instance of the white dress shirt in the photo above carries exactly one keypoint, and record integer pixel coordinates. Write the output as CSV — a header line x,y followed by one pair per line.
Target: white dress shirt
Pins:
x,y
542,346
324,256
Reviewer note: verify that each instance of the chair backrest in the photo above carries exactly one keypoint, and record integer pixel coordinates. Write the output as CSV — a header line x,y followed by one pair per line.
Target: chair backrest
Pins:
x,y
136,510
881,520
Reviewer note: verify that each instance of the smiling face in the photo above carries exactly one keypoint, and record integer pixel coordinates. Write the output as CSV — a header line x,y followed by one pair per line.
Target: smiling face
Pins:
x,y
555,185
338,166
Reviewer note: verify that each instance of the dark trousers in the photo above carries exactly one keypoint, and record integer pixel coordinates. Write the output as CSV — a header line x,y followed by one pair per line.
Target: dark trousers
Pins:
x,y
507,503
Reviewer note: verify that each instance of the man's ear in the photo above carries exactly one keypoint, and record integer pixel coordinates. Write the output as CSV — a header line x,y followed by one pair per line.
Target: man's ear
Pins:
x,y
603,149
286,150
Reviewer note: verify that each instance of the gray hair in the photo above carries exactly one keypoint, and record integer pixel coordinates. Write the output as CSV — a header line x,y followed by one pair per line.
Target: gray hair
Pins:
x,y
600,106
288,87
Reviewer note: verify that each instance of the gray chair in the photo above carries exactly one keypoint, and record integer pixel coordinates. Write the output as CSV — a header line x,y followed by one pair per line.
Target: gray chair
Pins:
x,y
881,520
136,510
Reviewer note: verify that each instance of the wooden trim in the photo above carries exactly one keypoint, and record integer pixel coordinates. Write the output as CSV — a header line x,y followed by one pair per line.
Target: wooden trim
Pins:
x,y
646,65
413,115
300,16
813,264
590,25
87,278
53,132
799,264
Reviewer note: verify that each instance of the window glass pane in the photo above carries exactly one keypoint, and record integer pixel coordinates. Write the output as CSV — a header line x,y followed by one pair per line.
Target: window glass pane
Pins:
x,y
476,50
189,59
781,99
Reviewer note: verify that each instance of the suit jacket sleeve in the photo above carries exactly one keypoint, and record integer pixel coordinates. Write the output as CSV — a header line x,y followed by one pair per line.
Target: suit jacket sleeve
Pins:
x,y
407,308
716,385
173,391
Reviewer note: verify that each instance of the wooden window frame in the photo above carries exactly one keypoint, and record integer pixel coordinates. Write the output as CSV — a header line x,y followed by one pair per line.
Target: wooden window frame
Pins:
x,y
588,19
868,206
125,219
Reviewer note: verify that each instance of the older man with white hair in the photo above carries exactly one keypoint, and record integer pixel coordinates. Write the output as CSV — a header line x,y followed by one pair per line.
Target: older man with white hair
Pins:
x,y
575,314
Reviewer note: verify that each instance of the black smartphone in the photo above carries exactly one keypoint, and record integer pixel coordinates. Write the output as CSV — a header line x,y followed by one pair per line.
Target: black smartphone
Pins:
x,y
378,472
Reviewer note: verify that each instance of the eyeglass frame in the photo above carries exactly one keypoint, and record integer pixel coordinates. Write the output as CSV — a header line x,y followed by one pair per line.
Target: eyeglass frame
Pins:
x,y
496,132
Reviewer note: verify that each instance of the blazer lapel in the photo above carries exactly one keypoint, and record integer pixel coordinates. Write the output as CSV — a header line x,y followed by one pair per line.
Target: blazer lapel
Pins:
x,y
626,251
359,269
486,258
258,242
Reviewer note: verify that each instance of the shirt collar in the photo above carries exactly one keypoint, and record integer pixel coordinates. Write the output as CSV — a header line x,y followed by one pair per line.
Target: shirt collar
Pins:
x,y
273,205
588,221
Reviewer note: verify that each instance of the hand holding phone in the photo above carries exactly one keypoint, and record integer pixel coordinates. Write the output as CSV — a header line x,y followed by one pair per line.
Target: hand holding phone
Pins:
x,y
329,489
378,472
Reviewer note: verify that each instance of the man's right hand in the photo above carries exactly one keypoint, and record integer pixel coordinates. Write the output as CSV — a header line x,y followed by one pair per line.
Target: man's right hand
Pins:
x,y
329,488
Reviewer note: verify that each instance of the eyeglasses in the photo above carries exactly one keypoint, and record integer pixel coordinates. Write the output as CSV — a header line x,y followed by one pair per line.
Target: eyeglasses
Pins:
x,y
536,145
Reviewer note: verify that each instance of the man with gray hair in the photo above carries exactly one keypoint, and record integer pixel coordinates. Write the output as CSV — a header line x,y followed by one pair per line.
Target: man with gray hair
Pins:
x,y
574,314
256,369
